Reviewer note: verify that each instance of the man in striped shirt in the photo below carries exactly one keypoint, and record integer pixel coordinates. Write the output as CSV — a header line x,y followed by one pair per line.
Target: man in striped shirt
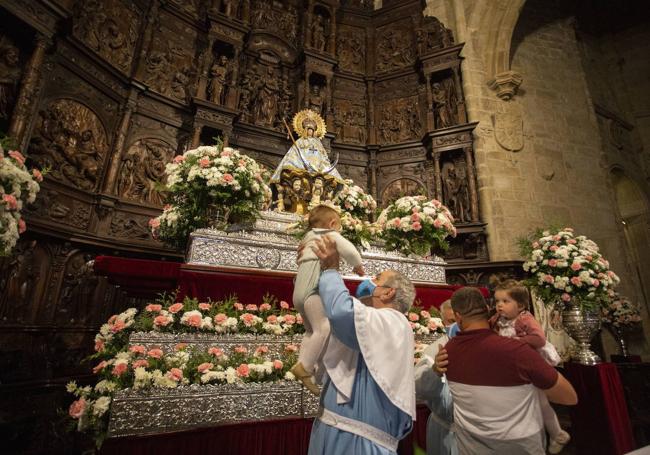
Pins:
x,y
493,382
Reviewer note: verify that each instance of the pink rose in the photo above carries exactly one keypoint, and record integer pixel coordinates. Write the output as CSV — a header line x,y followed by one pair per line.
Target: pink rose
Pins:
x,y
167,207
251,307
215,352
161,321
248,319
265,307
576,281
552,262
118,326
437,223
291,348
154,223
261,350
226,153
238,306
432,325
194,320
595,283
417,226
277,364
112,319
290,319
415,217
204,162
549,279
228,178
566,297
243,370
120,369
553,247
175,308
140,363
241,350
99,345
138,349
535,245
557,238
204,306
153,308
16,155
284,305
414,317
204,367
572,241
589,258
299,319
273,319
99,367
175,373
576,266
179,159
180,346
155,353
425,314
22,227
77,408
10,200
220,318
37,175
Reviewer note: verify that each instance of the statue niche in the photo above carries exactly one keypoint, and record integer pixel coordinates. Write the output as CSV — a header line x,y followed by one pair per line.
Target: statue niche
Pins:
x,y
142,169
432,35
10,74
400,120
445,103
219,72
305,176
455,193
265,99
70,140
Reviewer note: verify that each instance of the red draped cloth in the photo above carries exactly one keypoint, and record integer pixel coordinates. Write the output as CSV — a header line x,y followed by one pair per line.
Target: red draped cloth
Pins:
x,y
600,421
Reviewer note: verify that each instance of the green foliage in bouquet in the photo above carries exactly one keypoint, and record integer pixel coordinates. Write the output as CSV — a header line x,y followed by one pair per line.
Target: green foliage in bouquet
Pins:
x,y
209,184
416,225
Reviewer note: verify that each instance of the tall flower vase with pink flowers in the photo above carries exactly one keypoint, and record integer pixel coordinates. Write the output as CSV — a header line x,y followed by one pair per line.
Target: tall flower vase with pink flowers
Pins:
x,y
209,187
569,270
18,186
621,316
416,225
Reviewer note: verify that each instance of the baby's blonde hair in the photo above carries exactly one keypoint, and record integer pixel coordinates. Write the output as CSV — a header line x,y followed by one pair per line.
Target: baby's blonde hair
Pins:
x,y
321,216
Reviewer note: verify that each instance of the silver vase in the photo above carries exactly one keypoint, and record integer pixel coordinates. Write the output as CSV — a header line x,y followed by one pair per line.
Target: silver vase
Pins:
x,y
581,325
619,336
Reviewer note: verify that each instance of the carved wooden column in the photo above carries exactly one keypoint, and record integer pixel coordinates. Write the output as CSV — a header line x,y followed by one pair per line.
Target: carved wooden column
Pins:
x,y
308,19
329,112
373,165
430,177
462,112
233,89
471,177
196,136
26,103
437,175
430,120
372,132
110,182
147,38
204,69
332,38
305,98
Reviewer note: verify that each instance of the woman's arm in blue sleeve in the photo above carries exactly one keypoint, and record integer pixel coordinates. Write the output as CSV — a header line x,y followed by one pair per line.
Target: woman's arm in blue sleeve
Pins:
x,y
339,307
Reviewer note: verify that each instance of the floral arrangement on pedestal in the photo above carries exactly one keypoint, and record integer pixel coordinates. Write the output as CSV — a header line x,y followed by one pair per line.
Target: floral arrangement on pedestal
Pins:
x,y
566,267
621,312
208,183
357,209
122,365
416,225
18,186
425,322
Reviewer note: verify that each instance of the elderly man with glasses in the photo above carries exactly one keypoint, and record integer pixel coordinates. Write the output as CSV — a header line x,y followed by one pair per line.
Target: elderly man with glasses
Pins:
x,y
368,398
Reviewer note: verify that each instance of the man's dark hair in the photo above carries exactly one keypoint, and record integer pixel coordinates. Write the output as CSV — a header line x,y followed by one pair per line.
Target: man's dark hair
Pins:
x,y
469,303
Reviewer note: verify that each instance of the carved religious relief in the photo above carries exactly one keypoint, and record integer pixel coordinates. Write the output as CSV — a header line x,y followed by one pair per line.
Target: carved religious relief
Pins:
x,y
350,122
455,194
318,34
265,97
395,47
445,103
143,168
399,188
351,48
358,174
110,28
78,287
280,20
217,86
399,120
19,281
70,140
432,35
10,74
131,227
60,208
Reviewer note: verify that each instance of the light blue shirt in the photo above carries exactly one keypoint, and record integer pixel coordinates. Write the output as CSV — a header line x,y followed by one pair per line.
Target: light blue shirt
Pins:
x,y
368,403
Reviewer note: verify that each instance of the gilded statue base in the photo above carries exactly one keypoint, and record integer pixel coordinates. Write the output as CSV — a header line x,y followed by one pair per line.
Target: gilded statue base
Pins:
x,y
267,246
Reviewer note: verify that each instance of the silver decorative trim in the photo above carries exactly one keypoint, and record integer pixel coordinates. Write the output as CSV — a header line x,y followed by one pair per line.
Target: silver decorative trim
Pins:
x,y
269,247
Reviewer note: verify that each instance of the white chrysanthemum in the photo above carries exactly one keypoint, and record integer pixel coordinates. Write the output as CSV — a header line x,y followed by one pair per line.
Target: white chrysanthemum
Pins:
x,y
101,405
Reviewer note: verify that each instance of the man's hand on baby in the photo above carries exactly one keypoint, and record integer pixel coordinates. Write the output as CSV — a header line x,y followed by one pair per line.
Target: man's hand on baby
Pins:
x,y
440,367
325,249
359,270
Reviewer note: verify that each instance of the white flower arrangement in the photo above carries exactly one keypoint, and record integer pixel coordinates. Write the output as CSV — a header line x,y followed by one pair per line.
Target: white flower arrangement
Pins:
x,y
415,224
565,267
18,186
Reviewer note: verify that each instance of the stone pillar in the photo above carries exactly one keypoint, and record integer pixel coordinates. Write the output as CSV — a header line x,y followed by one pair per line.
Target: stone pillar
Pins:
x,y
430,120
196,136
437,175
332,38
110,181
26,103
471,177
370,113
